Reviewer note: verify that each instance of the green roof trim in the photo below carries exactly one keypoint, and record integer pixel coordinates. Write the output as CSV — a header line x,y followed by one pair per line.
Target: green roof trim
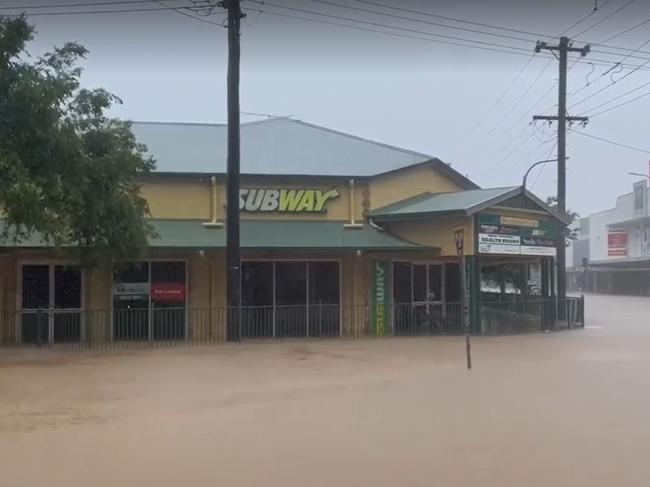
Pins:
x,y
463,203
262,234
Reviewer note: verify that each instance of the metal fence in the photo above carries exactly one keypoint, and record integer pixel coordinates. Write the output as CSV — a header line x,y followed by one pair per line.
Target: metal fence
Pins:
x,y
204,326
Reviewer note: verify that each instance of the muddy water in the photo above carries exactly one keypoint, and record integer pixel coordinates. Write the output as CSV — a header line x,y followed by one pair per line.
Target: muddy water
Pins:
x,y
565,409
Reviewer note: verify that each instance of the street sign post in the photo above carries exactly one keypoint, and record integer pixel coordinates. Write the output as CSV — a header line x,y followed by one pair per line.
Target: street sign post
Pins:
x,y
459,240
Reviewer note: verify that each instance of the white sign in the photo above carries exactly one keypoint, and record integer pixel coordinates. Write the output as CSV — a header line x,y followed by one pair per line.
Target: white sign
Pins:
x,y
130,288
535,250
498,244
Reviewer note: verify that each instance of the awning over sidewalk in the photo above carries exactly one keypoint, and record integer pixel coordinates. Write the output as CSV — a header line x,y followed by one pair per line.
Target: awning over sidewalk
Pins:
x,y
267,234
460,203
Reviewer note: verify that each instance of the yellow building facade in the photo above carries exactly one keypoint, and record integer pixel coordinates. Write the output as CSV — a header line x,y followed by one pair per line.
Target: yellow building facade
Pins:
x,y
370,251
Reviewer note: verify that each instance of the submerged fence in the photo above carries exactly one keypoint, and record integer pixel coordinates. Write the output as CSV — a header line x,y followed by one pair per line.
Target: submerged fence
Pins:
x,y
204,326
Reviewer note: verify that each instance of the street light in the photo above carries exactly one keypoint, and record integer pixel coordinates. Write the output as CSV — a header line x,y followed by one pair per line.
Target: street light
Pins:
x,y
533,166
639,174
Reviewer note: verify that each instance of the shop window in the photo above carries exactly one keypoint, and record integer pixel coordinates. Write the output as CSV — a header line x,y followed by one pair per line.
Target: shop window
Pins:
x,y
402,282
149,301
452,283
419,283
324,297
257,299
291,299
435,283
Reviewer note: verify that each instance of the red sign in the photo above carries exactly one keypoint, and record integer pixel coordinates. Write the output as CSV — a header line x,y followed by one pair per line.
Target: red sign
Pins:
x,y
168,291
617,243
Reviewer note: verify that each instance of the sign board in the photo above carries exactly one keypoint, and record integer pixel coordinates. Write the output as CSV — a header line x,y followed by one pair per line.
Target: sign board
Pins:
x,y
640,199
617,243
130,288
380,297
168,291
516,236
267,200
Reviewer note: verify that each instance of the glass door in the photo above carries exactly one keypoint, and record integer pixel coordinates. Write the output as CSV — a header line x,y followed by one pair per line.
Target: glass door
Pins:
x,y
50,303
66,309
35,303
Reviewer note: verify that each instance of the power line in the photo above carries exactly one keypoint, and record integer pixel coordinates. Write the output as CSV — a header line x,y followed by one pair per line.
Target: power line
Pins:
x,y
584,18
410,19
520,99
454,19
643,95
190,16
617,97
503,95
607,86
82,4
109,11
377,24
622,7
625,31
519,52
618,144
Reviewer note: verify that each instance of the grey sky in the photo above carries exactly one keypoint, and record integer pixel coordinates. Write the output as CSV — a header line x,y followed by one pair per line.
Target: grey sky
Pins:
x,y
411,93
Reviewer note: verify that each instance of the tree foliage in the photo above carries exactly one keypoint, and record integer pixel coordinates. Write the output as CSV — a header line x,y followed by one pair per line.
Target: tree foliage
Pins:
x,y
573,216
68,172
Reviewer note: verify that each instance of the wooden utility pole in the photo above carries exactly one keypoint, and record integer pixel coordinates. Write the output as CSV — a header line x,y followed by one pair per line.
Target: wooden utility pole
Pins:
x,y
563,49
233,258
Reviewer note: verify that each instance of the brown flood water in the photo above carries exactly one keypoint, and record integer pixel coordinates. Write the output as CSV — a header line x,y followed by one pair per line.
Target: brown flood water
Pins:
x,y
568,409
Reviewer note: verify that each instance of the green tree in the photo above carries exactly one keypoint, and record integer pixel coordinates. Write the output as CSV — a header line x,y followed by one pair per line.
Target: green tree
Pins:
x,y
573,216
68,172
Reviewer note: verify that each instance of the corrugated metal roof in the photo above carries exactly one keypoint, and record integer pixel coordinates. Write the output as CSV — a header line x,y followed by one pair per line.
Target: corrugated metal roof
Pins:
x,y
459,202
278,146
257,234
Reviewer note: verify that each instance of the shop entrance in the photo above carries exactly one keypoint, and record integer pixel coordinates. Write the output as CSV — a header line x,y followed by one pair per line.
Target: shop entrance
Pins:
x,y
50,303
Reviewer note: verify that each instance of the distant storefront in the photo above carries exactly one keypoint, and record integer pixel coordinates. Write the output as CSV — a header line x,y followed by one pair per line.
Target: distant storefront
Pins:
x,y
340,236
612,251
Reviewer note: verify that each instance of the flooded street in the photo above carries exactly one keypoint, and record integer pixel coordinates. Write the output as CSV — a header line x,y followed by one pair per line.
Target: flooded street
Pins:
x,y
565,409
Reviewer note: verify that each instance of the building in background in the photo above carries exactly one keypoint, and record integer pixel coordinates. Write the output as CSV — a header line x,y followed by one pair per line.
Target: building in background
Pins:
x,y
340,236
612,252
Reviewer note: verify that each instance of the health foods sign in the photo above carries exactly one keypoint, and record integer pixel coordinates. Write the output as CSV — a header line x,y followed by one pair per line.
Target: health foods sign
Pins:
x,y
515,236
267,200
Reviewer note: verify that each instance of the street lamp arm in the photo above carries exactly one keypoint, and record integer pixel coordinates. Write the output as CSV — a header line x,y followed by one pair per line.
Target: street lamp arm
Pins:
x,y
532,167
639,174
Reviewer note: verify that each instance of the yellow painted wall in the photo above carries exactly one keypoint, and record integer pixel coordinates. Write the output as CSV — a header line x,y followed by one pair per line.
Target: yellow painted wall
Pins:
x,y
192,199
399,185
178,199
436,233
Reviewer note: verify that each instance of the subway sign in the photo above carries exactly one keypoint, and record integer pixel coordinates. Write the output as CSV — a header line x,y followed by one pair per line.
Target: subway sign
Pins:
x,y
286,200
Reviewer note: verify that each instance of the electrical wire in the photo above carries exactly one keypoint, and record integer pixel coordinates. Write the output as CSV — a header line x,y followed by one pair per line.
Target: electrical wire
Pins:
x,y
109,11
410,19
592,109
584,18
643,95
607,86
618,144
503,95
188,15
624,32
520,99
621,8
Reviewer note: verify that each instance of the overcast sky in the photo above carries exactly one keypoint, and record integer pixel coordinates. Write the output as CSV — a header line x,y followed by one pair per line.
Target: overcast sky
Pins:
x,y
417,94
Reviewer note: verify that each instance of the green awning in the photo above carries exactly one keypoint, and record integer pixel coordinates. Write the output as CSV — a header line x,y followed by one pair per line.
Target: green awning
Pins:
x,y
460,203
277,234
258,234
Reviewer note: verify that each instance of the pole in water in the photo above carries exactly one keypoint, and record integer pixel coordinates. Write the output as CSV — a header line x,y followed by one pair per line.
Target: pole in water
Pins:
x,y
459,240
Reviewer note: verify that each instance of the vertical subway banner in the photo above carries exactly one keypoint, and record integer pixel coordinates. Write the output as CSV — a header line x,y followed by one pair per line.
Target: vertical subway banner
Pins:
x,y
380,297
